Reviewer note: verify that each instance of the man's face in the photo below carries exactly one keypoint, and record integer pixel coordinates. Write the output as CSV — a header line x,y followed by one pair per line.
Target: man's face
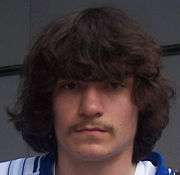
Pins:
x,y
94,120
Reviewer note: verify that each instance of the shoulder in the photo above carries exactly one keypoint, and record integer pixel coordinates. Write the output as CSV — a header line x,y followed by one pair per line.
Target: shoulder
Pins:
x,y
158,162
22,166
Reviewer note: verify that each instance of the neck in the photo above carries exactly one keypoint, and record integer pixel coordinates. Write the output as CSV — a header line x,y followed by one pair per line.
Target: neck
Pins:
x,y
117,165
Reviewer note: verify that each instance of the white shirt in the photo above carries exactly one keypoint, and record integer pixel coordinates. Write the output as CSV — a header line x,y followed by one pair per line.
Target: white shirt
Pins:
x,y
145,168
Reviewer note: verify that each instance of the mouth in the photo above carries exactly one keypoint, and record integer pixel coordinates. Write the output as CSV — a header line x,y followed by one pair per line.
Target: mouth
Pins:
x,y
91,130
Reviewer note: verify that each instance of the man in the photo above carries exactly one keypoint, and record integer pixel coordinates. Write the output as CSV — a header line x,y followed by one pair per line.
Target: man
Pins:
x,y
93,99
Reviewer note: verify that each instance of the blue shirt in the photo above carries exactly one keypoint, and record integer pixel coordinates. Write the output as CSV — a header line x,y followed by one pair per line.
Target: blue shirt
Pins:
x,y
44,165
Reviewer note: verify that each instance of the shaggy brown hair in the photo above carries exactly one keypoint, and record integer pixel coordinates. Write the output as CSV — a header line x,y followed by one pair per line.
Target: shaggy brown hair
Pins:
x,y
93,44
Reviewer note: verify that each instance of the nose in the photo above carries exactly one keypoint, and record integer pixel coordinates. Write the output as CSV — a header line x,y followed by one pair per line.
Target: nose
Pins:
x,y
91,103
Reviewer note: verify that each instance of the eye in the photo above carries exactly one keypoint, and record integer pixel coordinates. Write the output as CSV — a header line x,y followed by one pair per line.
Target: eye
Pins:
x,y
72,85
116,85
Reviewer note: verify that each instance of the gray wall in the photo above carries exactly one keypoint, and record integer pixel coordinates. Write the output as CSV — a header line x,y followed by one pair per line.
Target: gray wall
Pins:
x,y
20,20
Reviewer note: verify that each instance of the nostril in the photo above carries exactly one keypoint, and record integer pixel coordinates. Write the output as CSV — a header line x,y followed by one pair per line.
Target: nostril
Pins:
x,y
98,114
90,114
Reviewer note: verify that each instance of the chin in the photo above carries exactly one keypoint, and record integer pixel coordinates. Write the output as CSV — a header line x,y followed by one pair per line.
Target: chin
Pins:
x,y
92,153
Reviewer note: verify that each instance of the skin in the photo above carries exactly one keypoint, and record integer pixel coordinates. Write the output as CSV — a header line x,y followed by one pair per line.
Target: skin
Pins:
x,y
80,105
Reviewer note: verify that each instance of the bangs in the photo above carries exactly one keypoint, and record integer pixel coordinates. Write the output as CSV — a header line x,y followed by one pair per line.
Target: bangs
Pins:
x,y
89,51
95,62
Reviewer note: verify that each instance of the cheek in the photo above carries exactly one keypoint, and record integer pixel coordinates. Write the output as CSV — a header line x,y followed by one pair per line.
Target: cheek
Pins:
x,y
124,113
65,110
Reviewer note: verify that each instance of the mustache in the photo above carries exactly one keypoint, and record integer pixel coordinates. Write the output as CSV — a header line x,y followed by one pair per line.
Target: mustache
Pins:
x,y
94,124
